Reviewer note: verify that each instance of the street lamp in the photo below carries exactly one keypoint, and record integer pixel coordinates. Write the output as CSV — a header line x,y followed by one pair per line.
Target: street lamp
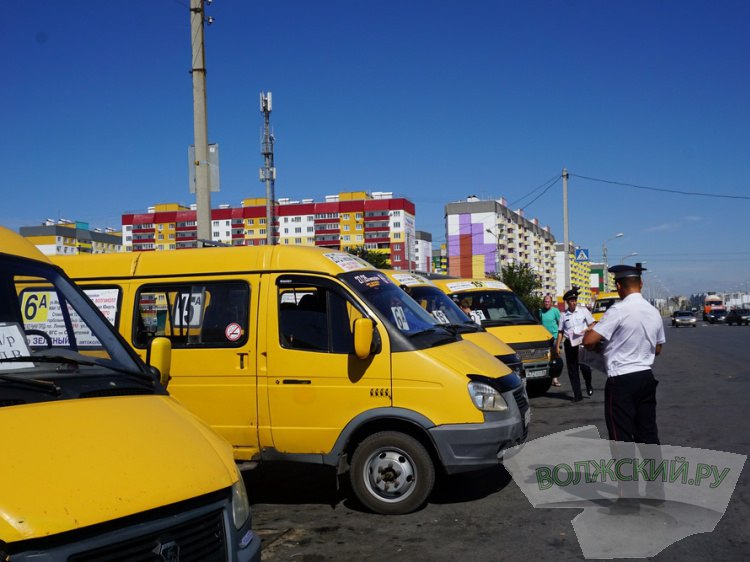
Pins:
x,y
630,255
605,273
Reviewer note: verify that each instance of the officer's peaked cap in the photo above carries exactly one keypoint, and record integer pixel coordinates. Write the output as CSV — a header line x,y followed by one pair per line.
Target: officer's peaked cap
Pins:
x,y
572,294
621,271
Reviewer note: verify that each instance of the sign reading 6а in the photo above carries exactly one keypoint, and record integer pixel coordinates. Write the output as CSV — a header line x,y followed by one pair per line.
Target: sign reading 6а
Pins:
x,y
35,306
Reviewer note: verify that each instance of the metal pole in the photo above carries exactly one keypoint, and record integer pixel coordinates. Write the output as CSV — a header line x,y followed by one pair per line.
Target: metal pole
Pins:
x,y
200,124
566,240
268,174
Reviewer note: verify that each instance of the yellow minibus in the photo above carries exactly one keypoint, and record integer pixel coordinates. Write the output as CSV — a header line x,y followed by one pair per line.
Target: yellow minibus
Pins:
x,y
306,354
99,462
499,310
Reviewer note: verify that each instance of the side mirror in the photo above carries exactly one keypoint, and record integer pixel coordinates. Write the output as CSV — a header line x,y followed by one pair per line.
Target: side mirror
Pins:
x,y
363,334
160,358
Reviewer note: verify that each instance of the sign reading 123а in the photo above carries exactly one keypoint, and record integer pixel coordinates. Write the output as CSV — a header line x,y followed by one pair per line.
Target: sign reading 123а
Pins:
x,y
582,254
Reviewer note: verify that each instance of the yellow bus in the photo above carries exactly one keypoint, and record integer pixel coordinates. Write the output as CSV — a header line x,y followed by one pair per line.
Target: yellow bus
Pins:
x,y
504,315
602,303
303,354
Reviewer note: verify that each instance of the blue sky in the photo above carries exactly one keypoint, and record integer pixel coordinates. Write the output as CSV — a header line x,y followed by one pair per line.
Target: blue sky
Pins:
x,y
432,100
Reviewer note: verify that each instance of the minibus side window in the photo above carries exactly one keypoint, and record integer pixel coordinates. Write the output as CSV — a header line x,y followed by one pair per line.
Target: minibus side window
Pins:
x,y
315,318
193,314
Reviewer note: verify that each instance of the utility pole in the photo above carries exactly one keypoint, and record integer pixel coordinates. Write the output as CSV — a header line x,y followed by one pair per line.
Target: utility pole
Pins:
x,y
268,173
200,124
566,240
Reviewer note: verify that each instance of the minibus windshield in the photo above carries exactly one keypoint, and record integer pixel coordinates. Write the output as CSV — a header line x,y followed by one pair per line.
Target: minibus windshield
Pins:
x,y
442,308
397,308
495,307
49,329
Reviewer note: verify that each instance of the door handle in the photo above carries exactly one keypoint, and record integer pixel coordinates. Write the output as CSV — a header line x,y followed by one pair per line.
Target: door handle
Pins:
x,y
295,381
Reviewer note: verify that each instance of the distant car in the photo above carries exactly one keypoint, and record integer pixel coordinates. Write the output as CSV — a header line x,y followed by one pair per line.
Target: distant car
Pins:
x,y
683,318
739,316
717,317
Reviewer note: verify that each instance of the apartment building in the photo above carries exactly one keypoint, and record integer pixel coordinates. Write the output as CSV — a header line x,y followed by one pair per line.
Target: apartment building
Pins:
x,y
482,236
66,237
376,221
423,251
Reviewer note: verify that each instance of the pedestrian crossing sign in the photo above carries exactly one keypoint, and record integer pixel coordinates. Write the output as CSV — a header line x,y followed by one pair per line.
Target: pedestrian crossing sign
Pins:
x,y
582,254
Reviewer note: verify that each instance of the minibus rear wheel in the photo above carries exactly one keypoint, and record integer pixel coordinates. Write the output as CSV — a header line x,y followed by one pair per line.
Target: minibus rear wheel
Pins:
x,y
392,473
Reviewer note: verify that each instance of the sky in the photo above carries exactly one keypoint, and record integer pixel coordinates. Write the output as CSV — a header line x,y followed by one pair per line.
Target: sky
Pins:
x,y
429,99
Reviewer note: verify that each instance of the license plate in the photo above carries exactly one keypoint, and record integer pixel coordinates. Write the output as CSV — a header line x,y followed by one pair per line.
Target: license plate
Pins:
x,y
536,373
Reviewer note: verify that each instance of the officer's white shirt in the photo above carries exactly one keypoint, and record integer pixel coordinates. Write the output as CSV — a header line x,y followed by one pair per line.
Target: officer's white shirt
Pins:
x,y
632,328
573,324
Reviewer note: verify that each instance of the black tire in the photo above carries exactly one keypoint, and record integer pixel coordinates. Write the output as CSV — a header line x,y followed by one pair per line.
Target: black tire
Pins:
x,y
392,473
538,387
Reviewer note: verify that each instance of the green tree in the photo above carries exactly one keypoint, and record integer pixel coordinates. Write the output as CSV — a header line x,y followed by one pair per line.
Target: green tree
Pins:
x,y
524,282
376,259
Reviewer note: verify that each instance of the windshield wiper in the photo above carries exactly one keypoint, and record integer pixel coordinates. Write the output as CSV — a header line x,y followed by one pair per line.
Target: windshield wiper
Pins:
x,y
422,332
70,361
34,384
452,328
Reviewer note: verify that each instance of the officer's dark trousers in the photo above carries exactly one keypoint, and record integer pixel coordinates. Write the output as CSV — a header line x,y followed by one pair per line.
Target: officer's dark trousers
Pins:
x,y
571,360
630,408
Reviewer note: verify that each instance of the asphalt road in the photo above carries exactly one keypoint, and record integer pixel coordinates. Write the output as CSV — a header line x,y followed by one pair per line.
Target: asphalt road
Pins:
x,y
704,399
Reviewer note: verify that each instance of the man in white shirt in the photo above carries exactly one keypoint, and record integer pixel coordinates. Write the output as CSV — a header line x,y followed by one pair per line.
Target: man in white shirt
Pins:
x,y
573,323
631,333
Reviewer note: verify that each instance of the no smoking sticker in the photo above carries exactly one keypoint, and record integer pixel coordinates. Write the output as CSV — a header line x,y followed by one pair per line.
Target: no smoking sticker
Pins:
x,y
233,331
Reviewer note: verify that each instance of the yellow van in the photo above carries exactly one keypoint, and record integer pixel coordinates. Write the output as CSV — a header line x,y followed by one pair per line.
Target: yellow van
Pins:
x,y
602,304
503,314
298,353
99,462
448,313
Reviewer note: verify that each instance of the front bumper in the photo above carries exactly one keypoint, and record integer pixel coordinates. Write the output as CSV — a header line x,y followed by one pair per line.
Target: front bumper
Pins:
x,y
536,370
466,447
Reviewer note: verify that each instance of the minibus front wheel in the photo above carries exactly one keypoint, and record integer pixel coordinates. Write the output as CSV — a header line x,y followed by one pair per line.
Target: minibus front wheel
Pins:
x,y
392,473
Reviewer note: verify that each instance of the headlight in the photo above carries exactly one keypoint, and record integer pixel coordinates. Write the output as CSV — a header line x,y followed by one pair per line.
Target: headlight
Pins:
x,y
486,398
240,502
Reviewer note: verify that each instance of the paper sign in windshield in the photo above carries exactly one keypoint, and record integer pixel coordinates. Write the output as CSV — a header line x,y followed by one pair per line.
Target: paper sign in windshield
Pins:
x,y
13,344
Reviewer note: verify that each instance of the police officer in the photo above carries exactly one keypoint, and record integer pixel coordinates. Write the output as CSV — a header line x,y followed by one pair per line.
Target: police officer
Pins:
x,y
573,323
632,332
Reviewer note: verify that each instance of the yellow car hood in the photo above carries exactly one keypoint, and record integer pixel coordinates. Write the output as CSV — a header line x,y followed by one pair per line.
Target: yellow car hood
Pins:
x,y
466,357
74,463
520,333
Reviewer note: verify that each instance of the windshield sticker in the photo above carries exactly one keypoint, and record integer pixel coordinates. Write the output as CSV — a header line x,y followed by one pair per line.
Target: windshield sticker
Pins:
x,y
400,318
13,344
406,279
372,280
347,262
466,285
462,286
440,316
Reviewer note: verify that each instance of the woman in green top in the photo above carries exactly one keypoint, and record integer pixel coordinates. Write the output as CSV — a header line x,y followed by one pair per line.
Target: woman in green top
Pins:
x,y
549,316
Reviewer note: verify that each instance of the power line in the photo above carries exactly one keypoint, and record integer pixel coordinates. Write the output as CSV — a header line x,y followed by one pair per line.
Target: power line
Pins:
x,y
664,190
551,181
